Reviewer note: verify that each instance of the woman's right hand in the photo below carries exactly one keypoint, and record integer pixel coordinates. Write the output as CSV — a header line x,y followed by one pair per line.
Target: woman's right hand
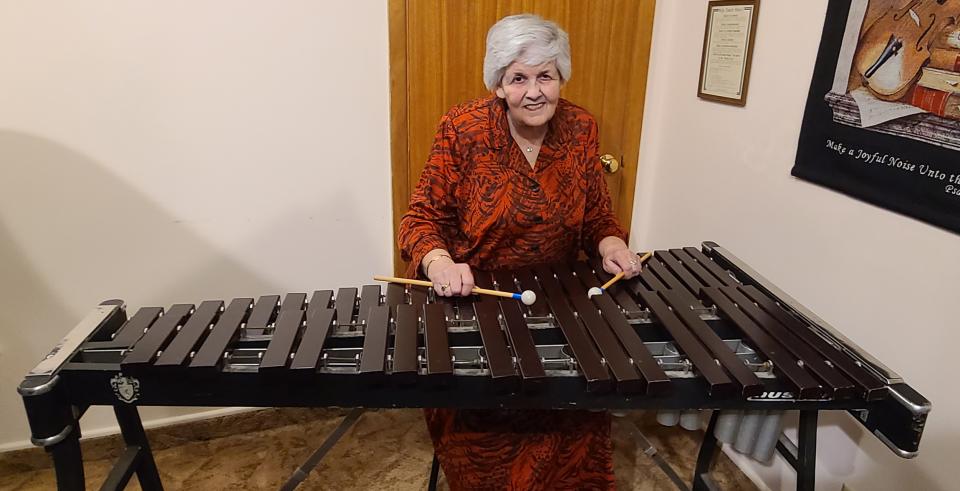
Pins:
x,y
450,278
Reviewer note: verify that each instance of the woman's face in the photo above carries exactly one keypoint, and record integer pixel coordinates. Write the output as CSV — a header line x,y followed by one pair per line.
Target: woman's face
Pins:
x,y
531,92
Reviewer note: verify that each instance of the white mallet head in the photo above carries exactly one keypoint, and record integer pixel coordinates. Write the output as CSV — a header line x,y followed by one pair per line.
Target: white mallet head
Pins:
x,y
594,291
528,297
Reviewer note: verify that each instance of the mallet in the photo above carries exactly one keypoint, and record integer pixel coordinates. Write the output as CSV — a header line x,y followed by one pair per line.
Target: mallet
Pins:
x,y
599,291
527,297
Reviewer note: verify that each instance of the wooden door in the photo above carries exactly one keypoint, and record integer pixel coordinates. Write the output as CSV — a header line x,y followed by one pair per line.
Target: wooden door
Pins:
x,y
436,62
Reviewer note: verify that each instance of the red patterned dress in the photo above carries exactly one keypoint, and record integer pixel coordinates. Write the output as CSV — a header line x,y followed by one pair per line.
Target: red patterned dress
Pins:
x,y
480,199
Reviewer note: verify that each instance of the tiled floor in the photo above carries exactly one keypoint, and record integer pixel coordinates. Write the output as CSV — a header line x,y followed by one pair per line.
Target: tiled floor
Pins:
x,y
385,450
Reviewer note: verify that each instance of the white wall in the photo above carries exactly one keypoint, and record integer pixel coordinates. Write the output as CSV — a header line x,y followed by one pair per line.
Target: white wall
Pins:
x,y
177,151
716,172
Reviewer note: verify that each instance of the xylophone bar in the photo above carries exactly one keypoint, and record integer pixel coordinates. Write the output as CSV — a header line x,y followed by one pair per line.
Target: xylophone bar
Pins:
x,y
263,315
406,366
495,346
528,360
407,333
315,334
628,380
656,380
227,329
837,385
157,336
439,364
598,379
285,334
177,354
868,386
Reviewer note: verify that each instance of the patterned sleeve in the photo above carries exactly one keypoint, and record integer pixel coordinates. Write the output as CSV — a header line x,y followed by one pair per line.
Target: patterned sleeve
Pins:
x,y
598,219
432,214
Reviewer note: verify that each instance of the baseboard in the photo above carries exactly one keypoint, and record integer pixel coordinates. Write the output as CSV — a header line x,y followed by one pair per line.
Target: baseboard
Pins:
x,y
154,423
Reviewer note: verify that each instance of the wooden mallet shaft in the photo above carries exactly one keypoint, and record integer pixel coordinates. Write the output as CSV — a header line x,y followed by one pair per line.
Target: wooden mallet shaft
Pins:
x,y
527,297
615,279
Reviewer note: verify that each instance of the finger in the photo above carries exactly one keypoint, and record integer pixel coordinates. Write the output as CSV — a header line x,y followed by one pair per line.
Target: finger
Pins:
x,y
440,289
631,264
467,282
610,266
455,283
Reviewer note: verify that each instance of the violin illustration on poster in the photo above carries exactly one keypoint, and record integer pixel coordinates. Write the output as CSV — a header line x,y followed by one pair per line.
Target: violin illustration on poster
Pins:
x,y
882,121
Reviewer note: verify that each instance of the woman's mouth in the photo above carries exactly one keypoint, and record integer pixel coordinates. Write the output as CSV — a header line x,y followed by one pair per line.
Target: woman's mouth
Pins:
x,y
534,107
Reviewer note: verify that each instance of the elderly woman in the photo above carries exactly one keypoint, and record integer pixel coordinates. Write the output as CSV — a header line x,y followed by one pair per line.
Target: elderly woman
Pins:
x,y
514,179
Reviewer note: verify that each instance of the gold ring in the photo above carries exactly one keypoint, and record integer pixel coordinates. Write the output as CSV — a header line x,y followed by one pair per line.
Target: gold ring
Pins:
x,y
444,287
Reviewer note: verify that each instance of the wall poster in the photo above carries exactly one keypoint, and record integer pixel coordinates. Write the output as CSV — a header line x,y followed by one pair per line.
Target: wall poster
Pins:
x,y
882,121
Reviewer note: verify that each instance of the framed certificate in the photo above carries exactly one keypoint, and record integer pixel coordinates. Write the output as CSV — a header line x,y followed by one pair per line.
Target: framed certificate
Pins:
x,y
728,50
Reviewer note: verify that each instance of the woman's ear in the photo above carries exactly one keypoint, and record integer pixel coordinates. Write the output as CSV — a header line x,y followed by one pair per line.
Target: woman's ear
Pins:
x,y
500,92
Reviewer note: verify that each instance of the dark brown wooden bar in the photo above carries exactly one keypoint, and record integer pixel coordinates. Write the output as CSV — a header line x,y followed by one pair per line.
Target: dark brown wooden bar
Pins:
x,y
837,386
708,264
227,329
692,284
618,291
591,366
285,333
159,334
499,358
531,368
369,298
540,308
405,363
866,384
628,379
396,294
646,280
437,347
719,384
705,277
264,312
319,301
373,360
192,333
293,301
805,385
346,302
132,330
750,385
309,352
656,381
655,268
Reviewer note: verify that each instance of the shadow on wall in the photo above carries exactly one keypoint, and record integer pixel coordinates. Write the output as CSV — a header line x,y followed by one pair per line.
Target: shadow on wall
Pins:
x,y
72,235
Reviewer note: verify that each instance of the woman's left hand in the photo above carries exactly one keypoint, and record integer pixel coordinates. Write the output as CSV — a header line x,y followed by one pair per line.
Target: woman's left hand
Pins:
x,y
618,257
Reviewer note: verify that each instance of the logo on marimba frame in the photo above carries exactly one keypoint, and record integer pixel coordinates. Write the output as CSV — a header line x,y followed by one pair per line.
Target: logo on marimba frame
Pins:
x,y
127,389
772,396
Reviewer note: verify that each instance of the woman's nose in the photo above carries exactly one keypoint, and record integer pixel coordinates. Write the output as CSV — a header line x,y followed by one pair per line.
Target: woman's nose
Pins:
x,y
535,91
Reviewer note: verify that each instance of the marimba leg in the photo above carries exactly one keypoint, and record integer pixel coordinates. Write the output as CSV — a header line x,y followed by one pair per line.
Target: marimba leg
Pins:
x,y
708,453
68,462
138,450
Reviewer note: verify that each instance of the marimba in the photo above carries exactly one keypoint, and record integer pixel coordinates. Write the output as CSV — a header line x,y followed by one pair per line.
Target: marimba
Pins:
x,y
698,328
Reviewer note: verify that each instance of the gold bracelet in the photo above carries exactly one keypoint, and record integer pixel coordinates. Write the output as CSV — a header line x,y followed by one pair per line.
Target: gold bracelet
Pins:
x,y
426,267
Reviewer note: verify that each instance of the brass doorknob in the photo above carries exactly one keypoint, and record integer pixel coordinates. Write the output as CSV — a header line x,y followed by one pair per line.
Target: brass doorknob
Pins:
x,y
610,163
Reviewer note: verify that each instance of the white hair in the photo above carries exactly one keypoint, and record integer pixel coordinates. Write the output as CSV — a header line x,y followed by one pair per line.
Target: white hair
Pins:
x,y
526,38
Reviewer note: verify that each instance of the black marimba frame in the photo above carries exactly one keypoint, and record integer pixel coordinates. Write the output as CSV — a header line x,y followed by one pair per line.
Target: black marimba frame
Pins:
x,y
74,376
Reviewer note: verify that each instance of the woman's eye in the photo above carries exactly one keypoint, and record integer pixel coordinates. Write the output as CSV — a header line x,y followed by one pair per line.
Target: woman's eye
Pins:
x,y
546,78
517,79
